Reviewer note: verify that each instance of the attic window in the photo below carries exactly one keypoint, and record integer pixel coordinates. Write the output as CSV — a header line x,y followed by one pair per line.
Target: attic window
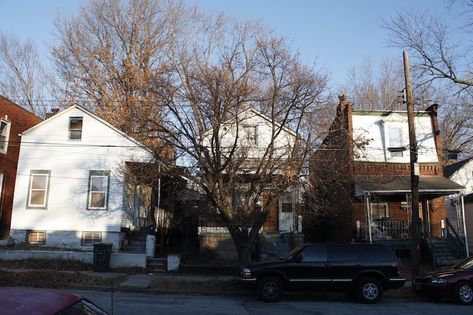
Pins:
x,y
396,148
75,128
250,134
4,135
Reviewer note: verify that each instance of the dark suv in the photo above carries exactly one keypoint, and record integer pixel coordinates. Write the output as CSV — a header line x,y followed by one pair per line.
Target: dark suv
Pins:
x,y
365,269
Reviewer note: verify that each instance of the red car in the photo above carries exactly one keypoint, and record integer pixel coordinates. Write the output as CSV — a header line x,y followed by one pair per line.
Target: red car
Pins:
x,y
455,282
27,301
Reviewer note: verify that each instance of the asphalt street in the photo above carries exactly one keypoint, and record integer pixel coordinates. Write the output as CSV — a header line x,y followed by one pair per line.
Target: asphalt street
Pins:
x,y
125,303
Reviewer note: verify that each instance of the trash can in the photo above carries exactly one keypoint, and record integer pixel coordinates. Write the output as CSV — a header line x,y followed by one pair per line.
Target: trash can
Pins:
x,y
102,253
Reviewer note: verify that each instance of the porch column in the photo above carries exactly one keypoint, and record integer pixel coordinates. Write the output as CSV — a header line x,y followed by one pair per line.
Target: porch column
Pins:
x,y
464,225
368,214
429,231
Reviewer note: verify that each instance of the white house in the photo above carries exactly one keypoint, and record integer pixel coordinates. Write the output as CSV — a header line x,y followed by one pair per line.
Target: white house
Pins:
x,y
70,185
252,131
462,173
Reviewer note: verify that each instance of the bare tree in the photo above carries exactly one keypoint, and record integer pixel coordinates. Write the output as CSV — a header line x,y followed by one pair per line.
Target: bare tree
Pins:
x,y
109,58
442,66
22,76
222,71
372,88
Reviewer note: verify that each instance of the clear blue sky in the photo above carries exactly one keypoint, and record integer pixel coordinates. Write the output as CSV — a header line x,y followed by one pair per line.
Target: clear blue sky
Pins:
x,y
336,34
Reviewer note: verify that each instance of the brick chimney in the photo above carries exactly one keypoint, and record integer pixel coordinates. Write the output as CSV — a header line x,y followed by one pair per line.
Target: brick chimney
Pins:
x,y
53,112
432,110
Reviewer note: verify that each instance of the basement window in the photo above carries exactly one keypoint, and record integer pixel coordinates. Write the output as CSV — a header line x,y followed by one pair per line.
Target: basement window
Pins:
x,y
37,238
90,238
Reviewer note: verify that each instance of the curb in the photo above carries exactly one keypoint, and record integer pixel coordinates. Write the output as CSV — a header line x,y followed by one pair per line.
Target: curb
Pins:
x,y
403,293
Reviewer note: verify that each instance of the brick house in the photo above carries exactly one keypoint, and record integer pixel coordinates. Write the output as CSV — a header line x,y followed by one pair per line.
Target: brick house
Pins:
x,y
13,121
361,177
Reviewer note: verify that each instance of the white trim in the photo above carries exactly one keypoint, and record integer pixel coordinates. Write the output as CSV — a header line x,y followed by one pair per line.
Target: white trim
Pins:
x,y
7,136
98,191
46,190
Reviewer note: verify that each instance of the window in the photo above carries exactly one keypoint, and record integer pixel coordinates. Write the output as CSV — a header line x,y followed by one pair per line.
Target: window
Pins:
x,y
4,135
379,211
396,148
89,238
314,253
37,237
38,189
98,190
250,135
341,253
75,128
287,202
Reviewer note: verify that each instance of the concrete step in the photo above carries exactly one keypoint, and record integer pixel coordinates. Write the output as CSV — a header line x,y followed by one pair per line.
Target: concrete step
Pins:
x,y
157,264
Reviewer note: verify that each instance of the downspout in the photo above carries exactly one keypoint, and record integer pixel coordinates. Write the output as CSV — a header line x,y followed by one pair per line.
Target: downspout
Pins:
x,y
158,202
464,225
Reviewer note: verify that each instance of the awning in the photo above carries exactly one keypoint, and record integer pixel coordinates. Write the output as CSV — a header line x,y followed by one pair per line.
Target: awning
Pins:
x,y
437,185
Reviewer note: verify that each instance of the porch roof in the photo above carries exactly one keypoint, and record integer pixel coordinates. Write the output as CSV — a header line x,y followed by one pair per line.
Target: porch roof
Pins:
x,y
437,185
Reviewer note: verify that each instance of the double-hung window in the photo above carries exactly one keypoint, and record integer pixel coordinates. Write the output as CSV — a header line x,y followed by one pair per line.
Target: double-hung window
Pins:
x,y
38,189
4,135
98,190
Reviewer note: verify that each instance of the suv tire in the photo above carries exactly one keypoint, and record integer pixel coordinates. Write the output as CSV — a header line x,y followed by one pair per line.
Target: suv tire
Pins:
x,y
369,290
270,289
464,293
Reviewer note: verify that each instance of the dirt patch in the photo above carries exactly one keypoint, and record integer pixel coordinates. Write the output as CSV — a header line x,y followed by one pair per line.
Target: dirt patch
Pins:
x,y
42,264
54,279
199,286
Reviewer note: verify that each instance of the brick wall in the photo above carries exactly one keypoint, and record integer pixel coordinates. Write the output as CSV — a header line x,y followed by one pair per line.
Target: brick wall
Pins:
x,y
21,120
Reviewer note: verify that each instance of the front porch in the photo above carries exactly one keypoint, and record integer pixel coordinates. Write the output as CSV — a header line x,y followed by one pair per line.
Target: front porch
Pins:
x,y
383,210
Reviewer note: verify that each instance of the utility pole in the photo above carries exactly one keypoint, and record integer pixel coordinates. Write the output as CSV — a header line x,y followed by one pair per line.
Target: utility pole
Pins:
x,y
415,249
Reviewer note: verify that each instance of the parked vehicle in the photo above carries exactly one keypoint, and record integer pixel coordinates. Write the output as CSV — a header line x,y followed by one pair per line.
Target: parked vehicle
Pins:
x,y
365,269
455,282
26,301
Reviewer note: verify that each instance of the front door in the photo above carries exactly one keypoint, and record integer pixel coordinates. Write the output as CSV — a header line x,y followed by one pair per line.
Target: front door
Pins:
x,y
287,205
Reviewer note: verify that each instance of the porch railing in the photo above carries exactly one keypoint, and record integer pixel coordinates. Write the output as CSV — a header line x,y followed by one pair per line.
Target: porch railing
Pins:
x,y
390,230
455,240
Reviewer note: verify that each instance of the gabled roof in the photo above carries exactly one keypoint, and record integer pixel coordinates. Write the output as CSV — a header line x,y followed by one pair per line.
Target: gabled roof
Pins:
x,y
452,168
91,115
257,113
19,107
